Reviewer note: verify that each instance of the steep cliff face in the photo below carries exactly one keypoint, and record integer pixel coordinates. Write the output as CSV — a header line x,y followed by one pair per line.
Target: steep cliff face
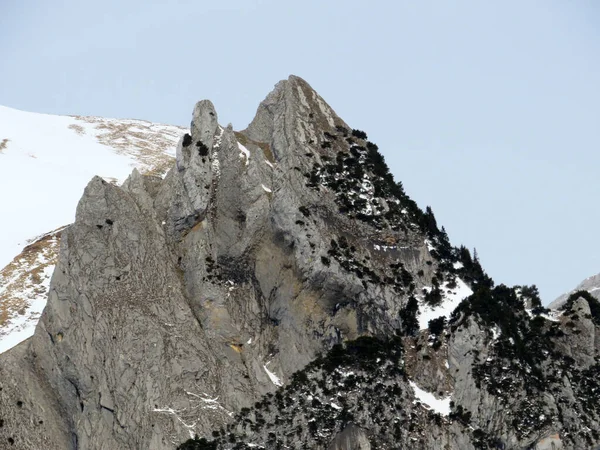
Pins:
x,y
278,288
45,163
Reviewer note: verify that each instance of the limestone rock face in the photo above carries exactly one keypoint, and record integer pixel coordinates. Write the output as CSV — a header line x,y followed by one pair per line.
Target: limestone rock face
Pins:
x,y
179,306
352,438
580,340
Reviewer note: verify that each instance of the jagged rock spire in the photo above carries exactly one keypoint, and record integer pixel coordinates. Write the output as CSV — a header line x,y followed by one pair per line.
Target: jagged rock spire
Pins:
x,y
292,115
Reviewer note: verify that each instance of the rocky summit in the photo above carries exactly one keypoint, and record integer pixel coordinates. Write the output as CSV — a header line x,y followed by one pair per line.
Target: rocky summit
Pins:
x,y
278,289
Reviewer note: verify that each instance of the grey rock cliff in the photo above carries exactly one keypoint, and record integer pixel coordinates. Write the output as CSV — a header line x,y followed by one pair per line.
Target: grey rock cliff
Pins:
x,y
172,298
179,303
351,438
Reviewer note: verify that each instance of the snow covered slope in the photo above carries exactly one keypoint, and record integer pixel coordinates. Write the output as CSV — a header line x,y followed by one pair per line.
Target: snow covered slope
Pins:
x,y
45,162
23,288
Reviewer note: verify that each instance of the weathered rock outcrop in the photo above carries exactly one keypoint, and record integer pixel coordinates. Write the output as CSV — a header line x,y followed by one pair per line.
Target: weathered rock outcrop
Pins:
x,y
180,305
351,438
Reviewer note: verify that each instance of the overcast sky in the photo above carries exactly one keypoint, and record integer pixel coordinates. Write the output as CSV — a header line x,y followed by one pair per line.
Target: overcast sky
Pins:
x,y
487,111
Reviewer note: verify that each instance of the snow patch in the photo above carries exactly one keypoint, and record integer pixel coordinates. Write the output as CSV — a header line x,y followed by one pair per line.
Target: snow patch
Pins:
x,y
188,416
451,298
429,245
216,166
440,406
24,288
244,153
344,374
553,316
23,326
218,137
274,378
496,332
384,248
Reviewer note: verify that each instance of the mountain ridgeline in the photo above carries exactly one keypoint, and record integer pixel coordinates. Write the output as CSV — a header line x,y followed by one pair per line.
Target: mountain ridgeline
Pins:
x,y
278,289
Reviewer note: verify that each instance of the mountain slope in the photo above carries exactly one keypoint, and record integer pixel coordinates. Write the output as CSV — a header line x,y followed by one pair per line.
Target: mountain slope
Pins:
x,y
279,289
590,284
45,162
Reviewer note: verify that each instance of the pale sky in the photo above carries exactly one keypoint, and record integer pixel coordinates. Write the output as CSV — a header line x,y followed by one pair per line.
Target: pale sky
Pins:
x,y
487,111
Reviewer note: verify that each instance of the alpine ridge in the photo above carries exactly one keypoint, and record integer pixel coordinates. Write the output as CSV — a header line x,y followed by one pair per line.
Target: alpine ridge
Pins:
x,y
278,289
45,163
590,284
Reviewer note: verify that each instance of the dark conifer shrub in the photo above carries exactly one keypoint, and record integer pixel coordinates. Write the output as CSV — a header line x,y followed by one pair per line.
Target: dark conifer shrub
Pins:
x,y
592,301
359,134
408,317
433,297
198,444
202,149
436,326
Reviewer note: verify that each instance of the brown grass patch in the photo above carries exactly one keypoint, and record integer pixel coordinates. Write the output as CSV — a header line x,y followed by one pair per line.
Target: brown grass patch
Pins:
x,y
77,128
199,225
146,142
236,347
266,148
4,144
21,281
241,138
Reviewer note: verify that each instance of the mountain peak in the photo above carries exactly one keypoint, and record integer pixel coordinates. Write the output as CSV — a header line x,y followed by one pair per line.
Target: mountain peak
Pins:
x,y
278,289
590,284
293,111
